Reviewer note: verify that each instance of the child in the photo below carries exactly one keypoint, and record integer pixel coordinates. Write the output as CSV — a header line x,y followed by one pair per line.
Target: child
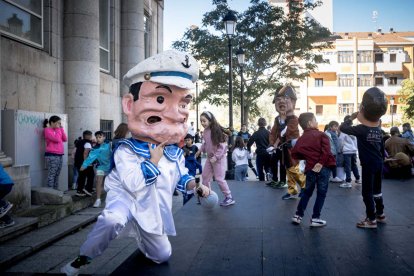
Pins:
x,y
407,132
55,136
215,145
191,163
240,157
285,130
101,153
314,147
6,185
83,148
261,138
332,133
371,153
148,166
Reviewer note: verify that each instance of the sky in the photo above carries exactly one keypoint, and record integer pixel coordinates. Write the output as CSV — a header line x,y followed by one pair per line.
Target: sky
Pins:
x,y
348,15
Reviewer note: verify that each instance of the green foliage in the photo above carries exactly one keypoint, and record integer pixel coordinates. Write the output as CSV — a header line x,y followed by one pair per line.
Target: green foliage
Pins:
x,y
407,97
277,46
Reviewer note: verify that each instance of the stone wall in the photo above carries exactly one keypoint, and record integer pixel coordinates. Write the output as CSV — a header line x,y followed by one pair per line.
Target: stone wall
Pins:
x,y
20,195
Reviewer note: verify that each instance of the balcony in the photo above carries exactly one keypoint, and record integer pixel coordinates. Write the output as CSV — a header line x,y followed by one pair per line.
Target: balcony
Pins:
x,y
322,91
388,67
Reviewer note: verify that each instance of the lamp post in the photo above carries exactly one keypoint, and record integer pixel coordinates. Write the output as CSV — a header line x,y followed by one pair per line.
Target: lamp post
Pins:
x,y
230,25
241,59
196,106
392,110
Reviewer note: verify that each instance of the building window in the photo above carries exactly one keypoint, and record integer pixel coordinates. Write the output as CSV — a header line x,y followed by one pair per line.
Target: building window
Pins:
x,y
107,127
393,58
318,82
364,80
22,20
104,35
392,81
379,81
345,57
147,34
346,80
379,57
345,109
319,109
364,56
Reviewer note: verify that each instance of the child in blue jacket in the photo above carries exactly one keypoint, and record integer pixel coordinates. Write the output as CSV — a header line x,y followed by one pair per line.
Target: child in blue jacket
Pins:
x,y
102,154
6,185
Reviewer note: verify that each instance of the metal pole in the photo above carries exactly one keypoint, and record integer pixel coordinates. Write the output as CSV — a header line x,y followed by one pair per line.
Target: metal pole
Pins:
x,y
196,106
392,115
242,97
230,87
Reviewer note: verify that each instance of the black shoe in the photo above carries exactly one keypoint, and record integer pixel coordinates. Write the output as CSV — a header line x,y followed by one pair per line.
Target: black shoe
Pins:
x,y
176,193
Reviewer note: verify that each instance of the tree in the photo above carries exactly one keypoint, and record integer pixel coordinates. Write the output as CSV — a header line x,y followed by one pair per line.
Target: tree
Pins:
x,y
278,47
407,97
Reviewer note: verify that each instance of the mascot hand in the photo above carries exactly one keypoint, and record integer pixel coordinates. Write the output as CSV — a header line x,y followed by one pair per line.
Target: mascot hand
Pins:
x,y
157,153
203,191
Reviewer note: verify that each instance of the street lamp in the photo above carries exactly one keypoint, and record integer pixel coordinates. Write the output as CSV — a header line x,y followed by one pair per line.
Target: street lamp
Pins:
x,y
392,110
230,25
196,106
241,59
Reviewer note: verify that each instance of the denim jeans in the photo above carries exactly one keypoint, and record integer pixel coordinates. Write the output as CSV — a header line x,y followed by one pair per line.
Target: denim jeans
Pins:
x,y
240,172
350,165
262,165
319,180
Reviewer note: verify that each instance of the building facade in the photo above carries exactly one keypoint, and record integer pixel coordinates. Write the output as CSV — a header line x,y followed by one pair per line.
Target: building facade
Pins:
x,y
69,57
356,62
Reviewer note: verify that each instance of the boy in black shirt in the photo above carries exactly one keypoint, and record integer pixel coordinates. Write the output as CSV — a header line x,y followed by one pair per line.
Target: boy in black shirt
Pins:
x,y
371,153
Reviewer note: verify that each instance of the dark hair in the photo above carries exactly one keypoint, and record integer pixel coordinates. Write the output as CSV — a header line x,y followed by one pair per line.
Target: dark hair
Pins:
x,y
217,135
134,90
333,123
100,132
374,104
304,119
86,132
394,130
52,119
121,131
239,143
407,125
261,122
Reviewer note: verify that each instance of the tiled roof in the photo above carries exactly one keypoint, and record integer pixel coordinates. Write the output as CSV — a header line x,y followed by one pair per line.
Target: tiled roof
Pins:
x,y
384,37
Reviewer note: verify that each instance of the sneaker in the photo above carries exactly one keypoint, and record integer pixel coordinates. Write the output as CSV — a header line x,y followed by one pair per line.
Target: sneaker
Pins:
x,y
5,208
282,185
74,186
87,192
81,194
345,185
175,193
4,224
336,180
97,203
289,196
296,219
357,181
380,218
227,201
272,183
69,270
317,222
366,223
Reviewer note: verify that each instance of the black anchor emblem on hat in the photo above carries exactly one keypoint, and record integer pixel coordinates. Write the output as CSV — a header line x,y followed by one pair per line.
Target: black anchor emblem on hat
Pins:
x,y
186,65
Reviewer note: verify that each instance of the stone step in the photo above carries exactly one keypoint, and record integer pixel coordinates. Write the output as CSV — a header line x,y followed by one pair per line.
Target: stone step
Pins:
x,y
22,225
18,248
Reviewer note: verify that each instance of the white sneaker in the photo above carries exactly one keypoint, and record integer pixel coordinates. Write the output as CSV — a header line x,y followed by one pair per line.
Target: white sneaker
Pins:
x,y
69,270
345,185
337,180
296,219
74,186
97,203
357,181
316,222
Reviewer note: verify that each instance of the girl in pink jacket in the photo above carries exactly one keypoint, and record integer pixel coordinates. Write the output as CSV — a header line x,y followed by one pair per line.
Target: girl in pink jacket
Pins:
x,y
54,137
215,145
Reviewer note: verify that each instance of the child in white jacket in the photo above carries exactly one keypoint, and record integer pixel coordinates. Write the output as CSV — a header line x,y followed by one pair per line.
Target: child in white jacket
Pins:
x,y
240,157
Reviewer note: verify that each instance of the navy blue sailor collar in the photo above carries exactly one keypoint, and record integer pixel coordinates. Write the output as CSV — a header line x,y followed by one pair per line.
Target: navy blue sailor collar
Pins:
x,y
171,152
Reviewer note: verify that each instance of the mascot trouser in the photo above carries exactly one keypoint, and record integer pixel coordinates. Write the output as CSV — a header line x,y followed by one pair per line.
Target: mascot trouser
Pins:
x,y
109,225
295,176
218,170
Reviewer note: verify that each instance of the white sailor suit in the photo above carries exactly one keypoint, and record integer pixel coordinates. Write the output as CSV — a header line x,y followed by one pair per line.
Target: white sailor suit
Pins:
x,y
140,193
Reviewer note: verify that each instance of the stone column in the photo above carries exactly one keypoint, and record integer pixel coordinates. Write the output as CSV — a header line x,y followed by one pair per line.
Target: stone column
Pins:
x,y
132,35
81,66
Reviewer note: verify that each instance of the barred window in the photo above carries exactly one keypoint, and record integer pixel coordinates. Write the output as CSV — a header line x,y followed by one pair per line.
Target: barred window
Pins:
x,y
345,109
379,81
22,20
364,80
364,56
107,127
104,35
318,82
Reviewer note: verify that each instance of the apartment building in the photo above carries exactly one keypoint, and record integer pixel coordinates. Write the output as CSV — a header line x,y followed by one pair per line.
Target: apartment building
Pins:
x,y
356,62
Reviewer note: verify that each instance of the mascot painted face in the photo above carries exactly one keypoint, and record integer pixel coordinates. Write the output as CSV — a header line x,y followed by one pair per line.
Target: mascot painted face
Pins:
x,y
157,105
285,100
